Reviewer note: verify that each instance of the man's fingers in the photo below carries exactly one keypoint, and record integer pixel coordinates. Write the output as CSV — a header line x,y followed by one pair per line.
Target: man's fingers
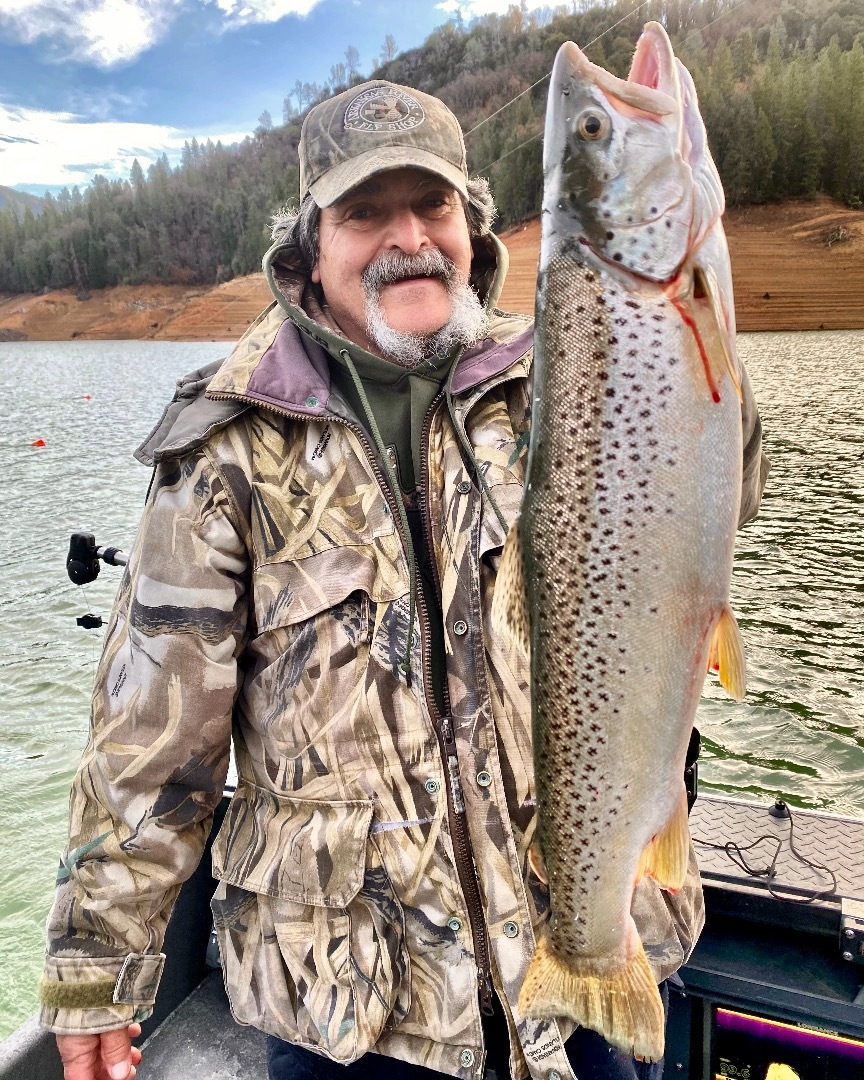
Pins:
x,y
109,1056
116,1052
80,1056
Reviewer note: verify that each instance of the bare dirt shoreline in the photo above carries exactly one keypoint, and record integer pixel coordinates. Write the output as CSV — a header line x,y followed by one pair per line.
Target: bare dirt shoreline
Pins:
x,y
796,266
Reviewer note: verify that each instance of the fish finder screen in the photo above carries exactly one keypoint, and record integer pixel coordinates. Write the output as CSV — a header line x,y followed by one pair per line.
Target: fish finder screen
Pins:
x,y
752,1048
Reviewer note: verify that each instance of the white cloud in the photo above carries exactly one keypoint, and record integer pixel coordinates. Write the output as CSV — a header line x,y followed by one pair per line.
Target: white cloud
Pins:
x,y
106,33
262,11
473,9
60,148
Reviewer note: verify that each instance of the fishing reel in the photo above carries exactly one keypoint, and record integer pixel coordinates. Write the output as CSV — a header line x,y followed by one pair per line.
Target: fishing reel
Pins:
x,y
83,563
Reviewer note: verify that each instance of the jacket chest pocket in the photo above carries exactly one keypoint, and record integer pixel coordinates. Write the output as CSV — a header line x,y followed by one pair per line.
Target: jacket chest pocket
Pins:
x,y
310,930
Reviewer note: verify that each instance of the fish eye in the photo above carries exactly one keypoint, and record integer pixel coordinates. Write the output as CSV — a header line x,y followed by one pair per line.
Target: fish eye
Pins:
x,y
592,124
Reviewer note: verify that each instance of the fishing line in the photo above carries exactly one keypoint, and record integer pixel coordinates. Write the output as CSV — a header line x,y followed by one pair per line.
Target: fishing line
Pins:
x,y
549,73
533,138
735,852
543,79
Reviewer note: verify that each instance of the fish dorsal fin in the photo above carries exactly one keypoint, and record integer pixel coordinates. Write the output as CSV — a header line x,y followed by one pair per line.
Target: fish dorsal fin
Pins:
x,y
510,616
667,855
727,655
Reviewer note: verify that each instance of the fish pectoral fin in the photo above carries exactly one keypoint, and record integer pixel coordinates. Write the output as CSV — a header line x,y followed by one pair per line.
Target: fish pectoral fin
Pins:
x,y
727,655
705,284
510,601
666,857
538,863
619,1001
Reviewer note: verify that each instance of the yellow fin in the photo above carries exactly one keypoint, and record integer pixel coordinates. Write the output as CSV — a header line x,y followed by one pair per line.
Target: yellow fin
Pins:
x,y
538,863
666,857
510,601
705,281
620,1002
727,655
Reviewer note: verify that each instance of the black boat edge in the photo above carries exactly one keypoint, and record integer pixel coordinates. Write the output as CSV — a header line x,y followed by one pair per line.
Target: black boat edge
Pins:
x,y
778,971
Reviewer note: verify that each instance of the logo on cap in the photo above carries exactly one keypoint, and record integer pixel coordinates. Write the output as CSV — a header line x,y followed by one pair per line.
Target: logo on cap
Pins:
x,y
384,108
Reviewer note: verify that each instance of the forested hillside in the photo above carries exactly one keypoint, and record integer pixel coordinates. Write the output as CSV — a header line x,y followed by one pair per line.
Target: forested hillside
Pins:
x,y
17,200
781,89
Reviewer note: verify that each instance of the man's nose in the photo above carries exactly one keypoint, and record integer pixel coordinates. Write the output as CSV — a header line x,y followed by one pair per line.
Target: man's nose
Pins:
x,y
406,231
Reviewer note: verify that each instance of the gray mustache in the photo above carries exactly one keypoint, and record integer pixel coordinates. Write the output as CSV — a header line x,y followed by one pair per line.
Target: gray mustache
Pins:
x,y
396,266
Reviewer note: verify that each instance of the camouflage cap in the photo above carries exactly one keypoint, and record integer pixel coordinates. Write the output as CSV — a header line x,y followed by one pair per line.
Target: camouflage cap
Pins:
x,y
371,128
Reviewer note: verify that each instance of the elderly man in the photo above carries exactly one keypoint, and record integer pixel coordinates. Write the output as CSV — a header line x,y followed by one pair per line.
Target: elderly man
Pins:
x,y
314,574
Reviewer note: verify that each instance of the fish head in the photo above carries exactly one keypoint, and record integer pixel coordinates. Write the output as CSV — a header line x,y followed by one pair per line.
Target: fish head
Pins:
x,y
625,160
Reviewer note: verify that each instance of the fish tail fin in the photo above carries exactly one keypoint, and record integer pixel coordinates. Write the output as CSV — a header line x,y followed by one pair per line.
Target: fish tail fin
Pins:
x,y
667,855
621,1003
510,601
727,655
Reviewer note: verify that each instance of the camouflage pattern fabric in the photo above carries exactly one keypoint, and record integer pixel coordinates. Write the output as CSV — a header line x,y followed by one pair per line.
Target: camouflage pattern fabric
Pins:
x,y
267,598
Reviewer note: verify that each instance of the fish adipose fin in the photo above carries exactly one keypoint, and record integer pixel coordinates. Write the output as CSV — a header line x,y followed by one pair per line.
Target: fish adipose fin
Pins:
x,y
510,601
622,1005
666,857
727,655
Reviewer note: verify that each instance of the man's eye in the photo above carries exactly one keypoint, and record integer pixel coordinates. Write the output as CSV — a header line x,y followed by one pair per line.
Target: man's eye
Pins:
x,y
436,204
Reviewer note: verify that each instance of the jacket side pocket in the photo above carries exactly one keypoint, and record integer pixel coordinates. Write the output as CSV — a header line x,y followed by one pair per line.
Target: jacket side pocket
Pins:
x,y
311,933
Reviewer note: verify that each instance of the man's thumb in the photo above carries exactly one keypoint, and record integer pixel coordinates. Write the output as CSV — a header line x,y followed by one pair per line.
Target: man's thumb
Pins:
x,y
116,1050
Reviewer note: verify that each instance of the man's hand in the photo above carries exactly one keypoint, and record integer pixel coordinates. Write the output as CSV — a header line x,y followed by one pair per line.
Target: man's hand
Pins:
x,y
108,1056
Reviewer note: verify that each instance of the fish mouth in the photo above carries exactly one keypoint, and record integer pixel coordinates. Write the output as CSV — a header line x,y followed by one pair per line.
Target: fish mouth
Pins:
x,y
652,89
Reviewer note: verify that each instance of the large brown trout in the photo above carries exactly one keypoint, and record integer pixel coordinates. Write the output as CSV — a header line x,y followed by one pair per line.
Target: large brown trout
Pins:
x,y
618,571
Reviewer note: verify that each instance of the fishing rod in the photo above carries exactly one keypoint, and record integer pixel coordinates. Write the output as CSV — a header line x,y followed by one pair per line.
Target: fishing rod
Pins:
x,y
83,563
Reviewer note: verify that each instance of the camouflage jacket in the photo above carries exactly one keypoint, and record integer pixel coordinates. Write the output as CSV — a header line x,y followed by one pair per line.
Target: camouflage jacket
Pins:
x,y
373,857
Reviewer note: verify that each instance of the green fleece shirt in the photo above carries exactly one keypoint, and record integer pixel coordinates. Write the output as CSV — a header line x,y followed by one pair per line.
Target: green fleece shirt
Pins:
x,y
400,400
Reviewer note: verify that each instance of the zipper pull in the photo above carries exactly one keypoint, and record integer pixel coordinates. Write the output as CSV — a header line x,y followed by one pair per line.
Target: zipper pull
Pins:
x,y
487,1000
449,741
405,668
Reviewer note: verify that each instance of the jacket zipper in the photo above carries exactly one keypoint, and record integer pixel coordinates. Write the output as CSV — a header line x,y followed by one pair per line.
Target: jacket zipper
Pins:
x,y
465,867
443,725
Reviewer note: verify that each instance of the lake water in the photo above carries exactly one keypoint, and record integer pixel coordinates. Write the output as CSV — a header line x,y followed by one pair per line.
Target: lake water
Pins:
x,y
798,590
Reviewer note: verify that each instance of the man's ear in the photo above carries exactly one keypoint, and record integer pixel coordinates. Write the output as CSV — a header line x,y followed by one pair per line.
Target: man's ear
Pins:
x,y
315,275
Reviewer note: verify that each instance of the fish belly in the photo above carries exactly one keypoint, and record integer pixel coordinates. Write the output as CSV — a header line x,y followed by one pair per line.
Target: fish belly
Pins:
x,y
627,531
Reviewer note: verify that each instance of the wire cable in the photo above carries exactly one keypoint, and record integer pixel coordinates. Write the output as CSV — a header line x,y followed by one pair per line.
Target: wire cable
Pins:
x,y
735,851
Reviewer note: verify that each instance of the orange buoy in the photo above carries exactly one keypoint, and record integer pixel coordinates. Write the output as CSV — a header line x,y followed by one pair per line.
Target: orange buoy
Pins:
x,y
38,442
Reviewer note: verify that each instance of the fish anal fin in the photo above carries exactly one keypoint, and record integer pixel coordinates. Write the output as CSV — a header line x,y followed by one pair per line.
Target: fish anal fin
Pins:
x,y
620,1001
538,863
510,616
666,857
727,652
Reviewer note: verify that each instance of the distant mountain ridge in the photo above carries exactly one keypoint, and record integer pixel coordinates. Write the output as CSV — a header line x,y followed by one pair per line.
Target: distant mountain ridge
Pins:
x,y
10,199
781,91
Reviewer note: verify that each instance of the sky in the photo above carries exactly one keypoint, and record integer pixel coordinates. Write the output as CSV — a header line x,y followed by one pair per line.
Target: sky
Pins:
x,y
87,86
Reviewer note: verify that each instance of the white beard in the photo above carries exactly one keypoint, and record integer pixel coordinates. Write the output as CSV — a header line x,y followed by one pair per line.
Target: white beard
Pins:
x,y
468,322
